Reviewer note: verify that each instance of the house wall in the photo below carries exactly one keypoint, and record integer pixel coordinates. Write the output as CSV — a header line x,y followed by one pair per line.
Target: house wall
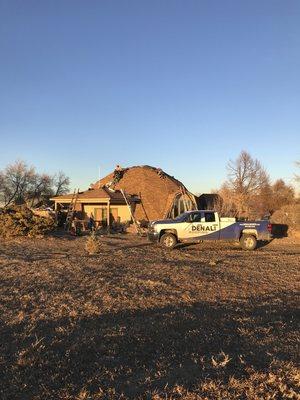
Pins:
x,y
123,213
78,207
122,210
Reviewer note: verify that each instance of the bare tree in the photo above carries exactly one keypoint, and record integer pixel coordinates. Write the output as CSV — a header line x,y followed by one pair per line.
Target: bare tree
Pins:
x,y
297,177
225,203
20,183
261,203
1,181
283,194
17,180
61,183
246,175
2,186
246,180
42,189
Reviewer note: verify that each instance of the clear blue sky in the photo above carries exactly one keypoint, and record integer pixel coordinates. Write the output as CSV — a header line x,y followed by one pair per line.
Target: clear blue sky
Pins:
x,y
182,85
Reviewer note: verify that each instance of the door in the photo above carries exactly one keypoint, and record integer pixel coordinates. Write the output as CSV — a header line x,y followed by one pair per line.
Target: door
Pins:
x,y
189,228
209,226
200,225
100,214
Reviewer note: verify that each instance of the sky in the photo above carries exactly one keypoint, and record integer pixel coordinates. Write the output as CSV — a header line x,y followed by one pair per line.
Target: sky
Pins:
x,y
181,85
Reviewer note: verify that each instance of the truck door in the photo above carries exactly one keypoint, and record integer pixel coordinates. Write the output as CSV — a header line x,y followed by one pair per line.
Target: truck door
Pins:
x,y
200,225
191,226
209,226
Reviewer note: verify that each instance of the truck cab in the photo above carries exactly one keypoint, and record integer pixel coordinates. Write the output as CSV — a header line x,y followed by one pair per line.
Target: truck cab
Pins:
x,y
198,225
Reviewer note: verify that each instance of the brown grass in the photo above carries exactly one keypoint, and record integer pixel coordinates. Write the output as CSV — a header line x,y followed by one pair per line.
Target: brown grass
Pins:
x,y
200,322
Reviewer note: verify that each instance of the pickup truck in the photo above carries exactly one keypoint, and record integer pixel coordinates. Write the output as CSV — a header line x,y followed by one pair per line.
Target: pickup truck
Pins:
x,y
196,226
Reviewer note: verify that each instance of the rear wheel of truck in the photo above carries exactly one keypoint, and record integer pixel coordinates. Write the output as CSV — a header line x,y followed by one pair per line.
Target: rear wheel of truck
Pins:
x,y
248,242
168,240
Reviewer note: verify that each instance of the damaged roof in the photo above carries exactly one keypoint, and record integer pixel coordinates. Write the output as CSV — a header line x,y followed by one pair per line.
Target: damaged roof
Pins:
x,y
155,188
96,193
146,169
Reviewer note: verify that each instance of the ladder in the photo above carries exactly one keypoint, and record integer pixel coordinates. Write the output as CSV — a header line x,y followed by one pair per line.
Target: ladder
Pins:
x,y
71,210
138,230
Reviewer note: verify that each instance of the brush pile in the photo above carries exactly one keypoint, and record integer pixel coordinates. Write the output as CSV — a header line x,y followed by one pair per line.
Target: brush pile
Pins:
x,y
21,221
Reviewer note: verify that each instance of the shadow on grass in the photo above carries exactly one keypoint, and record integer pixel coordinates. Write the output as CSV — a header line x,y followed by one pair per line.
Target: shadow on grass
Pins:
x,y
132,246
229,245
62,234
142,351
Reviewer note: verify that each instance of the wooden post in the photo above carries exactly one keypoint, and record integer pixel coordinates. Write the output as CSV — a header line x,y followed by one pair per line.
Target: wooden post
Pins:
x,y
108,216
56,212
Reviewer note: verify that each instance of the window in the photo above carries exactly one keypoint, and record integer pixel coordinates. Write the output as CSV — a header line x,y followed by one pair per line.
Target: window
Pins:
x,y
195,217
209,217
182,218
100,214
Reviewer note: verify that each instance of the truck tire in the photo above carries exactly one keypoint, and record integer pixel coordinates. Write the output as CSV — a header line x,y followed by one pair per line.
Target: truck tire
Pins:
x,y
248,242
168,240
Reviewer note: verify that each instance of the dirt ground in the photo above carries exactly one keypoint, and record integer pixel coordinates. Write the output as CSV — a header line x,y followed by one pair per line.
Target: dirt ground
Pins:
x,y
207,321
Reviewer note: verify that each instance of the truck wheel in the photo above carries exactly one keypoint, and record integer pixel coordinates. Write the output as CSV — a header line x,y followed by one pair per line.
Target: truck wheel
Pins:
x,y
168,240
248,242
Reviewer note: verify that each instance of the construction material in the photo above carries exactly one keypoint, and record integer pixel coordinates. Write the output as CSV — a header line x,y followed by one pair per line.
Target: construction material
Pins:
x,y
71,210
138,230
183,192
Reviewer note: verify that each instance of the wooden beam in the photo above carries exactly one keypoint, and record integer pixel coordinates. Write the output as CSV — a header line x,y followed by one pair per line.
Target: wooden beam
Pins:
x,y
108,216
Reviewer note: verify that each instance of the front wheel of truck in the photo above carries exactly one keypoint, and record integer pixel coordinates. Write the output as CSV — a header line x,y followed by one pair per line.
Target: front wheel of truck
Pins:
x,y
168,240
248,242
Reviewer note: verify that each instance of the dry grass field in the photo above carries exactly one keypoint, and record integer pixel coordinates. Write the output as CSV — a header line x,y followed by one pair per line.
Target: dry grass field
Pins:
x,y
206,321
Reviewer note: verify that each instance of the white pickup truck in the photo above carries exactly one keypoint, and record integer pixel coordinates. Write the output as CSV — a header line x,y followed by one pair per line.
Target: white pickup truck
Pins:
x,y
196,226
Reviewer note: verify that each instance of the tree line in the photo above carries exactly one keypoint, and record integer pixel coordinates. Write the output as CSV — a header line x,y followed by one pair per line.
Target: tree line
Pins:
x,y
248,191
22,184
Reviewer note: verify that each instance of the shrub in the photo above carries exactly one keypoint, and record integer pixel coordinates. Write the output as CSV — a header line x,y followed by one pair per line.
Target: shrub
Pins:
x,y
92,244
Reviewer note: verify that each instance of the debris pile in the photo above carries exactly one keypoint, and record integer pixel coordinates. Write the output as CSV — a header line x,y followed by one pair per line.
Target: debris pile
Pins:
x,y
21,221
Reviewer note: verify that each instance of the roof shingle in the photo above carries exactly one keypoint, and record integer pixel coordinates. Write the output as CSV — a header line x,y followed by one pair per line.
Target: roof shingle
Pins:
x,y
97,193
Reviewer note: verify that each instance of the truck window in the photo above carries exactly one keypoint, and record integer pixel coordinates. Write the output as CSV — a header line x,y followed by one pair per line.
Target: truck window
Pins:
x,y
209,217
195,217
